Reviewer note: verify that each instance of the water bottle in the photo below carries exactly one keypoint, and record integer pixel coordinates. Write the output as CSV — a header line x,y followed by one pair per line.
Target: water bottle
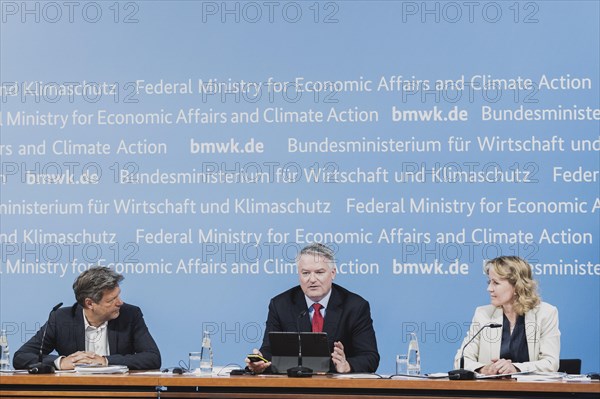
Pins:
x,y
206,355
414,356
4,352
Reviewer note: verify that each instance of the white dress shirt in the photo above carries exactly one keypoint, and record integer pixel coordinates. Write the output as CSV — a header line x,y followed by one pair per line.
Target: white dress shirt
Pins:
x,y
324,302
96,340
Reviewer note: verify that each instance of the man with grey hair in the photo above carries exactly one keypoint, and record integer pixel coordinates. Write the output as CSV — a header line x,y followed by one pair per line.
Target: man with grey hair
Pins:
x,y
98,329
319,305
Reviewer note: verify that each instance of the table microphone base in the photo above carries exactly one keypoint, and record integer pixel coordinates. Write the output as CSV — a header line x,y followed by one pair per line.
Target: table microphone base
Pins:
x,y
299,372
461,374
40,368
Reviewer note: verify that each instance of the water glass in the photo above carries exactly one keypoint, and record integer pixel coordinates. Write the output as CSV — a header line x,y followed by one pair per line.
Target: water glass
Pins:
x,y
402,364
195,362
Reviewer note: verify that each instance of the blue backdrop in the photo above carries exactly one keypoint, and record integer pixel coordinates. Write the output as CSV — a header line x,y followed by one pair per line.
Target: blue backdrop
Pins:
x,y
194,146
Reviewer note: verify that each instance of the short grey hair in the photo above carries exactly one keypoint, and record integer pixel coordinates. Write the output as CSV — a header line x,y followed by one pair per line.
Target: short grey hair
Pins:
x,y
93,282
318,250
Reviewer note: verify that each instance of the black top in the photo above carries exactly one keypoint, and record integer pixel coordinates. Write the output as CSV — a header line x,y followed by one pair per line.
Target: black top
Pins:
x,y
514,346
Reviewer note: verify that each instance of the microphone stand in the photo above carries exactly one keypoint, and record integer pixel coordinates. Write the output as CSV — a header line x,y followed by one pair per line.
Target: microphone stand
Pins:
x,y
461,373
299,371
40,367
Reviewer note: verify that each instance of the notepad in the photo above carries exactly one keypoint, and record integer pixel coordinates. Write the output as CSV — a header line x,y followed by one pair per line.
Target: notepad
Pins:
x,y
492,376
116,369
357,376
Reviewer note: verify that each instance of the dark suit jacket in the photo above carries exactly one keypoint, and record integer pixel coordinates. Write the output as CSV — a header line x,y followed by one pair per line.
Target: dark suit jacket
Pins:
x,y
347,319
129,340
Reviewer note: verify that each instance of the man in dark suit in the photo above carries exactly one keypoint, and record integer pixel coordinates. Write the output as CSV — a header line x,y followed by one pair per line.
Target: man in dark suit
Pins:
x,y
343,315
99,329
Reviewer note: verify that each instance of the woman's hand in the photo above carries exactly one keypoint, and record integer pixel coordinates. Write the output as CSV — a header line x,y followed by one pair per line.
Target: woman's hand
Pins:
x,y
498,366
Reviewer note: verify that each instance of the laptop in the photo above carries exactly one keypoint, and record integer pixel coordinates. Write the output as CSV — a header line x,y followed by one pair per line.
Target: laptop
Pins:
x,y
285,348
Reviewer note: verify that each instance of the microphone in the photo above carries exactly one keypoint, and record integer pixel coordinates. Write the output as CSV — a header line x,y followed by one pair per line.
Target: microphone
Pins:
x,y
39,367
462,374
299,371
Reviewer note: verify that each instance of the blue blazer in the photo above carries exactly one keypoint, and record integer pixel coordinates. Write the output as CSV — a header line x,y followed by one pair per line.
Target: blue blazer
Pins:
x,y
129,340
347,319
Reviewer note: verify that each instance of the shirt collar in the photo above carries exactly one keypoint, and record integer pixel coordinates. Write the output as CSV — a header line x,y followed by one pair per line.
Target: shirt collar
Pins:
x,y
324,302
90,327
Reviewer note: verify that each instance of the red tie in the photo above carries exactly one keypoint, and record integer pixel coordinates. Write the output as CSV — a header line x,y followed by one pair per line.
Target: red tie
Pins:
x,y
317,321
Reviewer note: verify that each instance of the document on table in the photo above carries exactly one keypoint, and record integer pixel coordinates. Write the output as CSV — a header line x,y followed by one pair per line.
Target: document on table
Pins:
x,y
550,376
430,376
116,369
357,376
492,376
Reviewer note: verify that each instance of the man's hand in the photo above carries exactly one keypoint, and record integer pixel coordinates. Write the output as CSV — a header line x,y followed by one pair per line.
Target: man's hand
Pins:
x,y
257,367
80,358
339,358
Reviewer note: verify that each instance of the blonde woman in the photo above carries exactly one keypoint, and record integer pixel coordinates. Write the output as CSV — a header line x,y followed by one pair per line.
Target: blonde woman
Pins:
x,y
529,339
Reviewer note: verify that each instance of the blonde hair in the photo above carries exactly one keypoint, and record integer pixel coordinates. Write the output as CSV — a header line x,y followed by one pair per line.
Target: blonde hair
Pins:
x,y
518,273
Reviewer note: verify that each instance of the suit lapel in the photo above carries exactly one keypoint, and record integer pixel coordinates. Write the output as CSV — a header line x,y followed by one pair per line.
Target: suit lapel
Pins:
x,y
495,333
79,328
333,313
532,332
112,336
299,306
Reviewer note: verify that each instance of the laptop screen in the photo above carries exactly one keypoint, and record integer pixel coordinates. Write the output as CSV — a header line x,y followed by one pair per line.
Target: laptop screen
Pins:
x,y
285,347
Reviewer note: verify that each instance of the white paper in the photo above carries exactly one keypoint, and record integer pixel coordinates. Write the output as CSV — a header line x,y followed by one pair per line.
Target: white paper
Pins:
x,y
116,369
357,376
